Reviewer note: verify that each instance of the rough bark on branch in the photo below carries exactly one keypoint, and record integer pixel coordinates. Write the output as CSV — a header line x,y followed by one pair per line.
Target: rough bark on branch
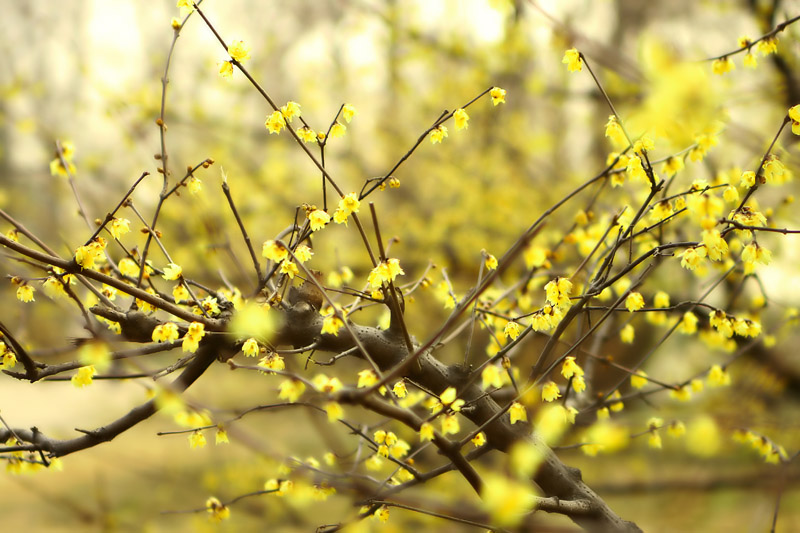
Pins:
x,y
556,480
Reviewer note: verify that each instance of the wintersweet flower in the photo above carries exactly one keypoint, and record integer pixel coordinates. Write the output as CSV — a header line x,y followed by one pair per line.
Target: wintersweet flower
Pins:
x,y
498,95
348,112
517,413
290,110
338,130
722,65
572,58
550,392
274,251
318,219
512,330
226,69
615,132
119,227
166,332
239,51
438,134
275,122
461,119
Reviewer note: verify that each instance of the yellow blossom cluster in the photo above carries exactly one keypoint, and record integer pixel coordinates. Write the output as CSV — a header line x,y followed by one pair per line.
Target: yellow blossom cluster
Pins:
x,y
771,452
86,255
385,272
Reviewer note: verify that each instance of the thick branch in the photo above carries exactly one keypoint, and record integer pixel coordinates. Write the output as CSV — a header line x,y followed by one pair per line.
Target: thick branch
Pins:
x,y
205,355
387,349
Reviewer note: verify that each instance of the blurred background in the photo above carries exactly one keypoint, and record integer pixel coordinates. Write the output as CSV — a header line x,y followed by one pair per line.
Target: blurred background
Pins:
x,y
89,72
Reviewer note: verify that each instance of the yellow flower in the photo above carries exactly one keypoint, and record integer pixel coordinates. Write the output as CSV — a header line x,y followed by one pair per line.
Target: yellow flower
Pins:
x,y
654,441
774,170
438,134
216,511
490,262
385,272
753,253
676,429
291,390
382,514
335,411
748,178
718,377
318,219
550,392
512,330
86,255
691,257
615,132
635,169
366,378
672,166
572,58
303,253
491,376
272,361
274,251
557,292
338,130
579,384
128,267
349,203
191,341
307,134
239,51
226,69
627,334
683,394
180,293
221,436
25,293
571,368
722,65
325,384
731,195
644,144
165,332
479,439
425,432
119,227
172,272
290,110
197,440
498,95
716,246
275,122
348,112
639,379
517,413
634,302
250,347
794,113
450,425
83,378
461,119
289,268
7,358
768,46
399,389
